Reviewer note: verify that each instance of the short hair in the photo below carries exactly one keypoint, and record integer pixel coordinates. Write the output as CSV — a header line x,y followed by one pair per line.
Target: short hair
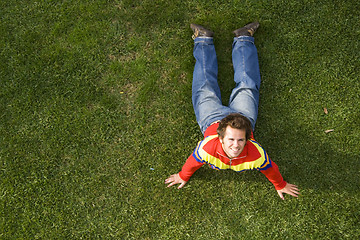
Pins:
x,y
237,121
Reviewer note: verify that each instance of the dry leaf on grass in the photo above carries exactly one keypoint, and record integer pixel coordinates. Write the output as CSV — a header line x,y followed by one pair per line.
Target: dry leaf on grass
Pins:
x,y
325,111
329,130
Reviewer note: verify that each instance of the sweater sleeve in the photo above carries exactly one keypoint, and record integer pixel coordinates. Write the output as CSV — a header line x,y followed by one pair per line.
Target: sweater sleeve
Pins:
x,y
190,166
273,174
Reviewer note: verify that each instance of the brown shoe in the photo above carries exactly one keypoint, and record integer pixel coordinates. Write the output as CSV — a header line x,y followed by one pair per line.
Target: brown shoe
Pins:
x,y
200,31
247,30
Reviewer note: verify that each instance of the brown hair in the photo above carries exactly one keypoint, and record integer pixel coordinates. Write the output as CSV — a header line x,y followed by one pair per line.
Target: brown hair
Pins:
x,y
237,121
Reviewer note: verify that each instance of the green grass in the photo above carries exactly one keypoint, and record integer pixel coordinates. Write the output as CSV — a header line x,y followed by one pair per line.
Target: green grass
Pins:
x,y
95,106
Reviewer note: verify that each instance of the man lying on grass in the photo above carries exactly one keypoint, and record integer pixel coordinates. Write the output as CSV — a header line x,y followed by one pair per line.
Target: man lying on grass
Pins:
x,y
228,130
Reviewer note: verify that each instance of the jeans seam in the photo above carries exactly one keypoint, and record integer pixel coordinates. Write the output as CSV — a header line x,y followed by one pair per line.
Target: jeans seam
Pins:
x,y
203,62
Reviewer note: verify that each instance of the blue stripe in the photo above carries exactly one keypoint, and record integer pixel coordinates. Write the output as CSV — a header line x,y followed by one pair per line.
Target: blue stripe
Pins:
x,y
197,159
268,166
196,153
267,160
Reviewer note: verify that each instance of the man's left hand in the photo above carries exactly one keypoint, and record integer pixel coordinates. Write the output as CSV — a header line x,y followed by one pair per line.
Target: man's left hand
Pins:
x,y
290,189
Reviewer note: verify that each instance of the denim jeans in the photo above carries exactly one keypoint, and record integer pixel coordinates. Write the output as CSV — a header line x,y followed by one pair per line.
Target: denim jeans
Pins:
x,y
206,97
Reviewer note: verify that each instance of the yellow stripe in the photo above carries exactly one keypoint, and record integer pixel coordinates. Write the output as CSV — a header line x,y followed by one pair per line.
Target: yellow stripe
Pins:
x,y
262,161
199,152
216,162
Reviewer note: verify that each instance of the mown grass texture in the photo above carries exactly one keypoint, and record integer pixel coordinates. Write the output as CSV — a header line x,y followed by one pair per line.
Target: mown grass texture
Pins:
x,y
96,113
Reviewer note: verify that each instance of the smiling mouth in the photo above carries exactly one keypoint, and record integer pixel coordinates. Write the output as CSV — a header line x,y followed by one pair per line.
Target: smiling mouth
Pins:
x,y
237,151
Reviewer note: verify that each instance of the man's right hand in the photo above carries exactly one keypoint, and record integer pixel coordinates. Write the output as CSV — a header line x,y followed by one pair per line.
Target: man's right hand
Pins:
x,y
175,179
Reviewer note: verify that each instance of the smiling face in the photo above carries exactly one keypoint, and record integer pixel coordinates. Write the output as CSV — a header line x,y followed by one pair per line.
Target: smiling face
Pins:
x,y
233,142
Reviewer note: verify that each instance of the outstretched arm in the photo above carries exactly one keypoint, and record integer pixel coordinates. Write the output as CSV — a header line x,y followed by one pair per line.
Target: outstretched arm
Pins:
x,y
274,176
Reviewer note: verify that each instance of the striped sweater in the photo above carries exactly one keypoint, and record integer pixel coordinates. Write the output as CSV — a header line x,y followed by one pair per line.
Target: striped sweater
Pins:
x,y
209,151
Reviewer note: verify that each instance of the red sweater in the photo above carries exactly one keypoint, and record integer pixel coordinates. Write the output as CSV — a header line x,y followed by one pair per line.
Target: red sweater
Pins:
x,y
210,151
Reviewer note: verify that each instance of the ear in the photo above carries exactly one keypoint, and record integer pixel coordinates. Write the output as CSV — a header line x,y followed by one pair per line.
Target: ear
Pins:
x,y
221,139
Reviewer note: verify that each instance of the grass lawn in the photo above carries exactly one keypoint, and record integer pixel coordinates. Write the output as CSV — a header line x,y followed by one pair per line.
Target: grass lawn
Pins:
x,y
95,106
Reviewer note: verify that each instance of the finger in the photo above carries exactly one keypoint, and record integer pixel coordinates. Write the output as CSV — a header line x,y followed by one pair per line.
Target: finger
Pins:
x,y
296,192
293,194
173,183
169,179
281,195
181,185
290,190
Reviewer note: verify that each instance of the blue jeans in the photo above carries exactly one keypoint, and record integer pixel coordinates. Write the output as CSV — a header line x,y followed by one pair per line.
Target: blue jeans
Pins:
x,y
206,96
